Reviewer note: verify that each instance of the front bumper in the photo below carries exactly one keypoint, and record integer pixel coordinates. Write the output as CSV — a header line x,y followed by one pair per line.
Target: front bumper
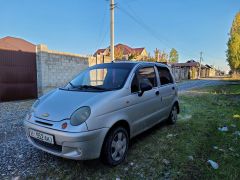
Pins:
x,y
78,146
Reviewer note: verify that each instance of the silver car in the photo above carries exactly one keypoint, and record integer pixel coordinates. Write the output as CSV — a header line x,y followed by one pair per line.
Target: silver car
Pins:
x,y
100,110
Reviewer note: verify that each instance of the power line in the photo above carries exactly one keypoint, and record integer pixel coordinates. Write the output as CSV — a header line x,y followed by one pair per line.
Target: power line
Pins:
x,y
147,28
132,1
142,24
102,35
151,31
137,19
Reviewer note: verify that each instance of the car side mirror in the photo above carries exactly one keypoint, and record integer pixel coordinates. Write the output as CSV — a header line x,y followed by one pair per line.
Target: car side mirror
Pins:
x,y
144,87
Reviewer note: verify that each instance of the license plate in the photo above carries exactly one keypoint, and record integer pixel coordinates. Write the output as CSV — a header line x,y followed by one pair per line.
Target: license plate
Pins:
x,y
41,136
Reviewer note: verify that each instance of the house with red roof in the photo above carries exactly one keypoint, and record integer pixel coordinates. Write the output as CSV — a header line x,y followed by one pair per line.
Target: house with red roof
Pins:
x,y
125,52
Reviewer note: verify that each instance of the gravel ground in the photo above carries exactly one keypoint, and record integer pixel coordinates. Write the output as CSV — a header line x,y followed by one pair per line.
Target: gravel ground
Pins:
x,y
20,159
15,151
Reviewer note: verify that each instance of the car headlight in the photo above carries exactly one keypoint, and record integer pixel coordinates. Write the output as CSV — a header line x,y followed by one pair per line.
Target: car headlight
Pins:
x,y
80,116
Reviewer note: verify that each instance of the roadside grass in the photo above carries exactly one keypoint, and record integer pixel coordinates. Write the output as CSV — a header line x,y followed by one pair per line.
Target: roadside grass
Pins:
x,y
210,111
176,151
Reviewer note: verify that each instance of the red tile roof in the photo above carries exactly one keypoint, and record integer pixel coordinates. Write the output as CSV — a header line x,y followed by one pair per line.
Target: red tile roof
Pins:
x,y
99,51
126,50
16,44
138,51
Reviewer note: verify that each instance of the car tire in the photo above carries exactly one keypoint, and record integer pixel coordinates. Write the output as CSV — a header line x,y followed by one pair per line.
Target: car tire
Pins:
x,y
172,119
115,146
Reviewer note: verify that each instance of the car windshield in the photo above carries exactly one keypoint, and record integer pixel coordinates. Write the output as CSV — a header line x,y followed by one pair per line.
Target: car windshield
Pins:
x,y
104,77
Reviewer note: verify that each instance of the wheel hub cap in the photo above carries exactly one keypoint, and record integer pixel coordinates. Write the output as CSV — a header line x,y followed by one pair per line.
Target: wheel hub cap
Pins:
x,y
119,145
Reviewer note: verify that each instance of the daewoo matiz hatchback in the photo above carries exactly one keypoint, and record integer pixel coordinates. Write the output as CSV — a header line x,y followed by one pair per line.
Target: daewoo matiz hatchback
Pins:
x,y
100,110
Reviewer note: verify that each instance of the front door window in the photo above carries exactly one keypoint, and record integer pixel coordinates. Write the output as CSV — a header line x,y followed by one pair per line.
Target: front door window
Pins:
x,y
146,75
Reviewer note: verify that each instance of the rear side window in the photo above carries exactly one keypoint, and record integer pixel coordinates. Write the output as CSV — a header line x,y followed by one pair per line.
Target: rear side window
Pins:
x,y
146,75
164,75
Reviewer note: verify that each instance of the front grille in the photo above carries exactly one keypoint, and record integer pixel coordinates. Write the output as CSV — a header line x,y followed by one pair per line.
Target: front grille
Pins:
x,y
54,147
44,123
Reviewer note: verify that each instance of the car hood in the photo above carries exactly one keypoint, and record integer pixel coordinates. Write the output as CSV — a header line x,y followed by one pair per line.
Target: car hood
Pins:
x,y
61,104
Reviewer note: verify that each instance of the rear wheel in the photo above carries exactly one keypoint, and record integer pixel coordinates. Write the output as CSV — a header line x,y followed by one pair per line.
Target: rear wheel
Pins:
x,y
172,119
115,146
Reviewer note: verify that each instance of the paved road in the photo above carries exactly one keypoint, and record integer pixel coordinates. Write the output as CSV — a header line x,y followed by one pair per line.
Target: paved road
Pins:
x,y
19,158
192,84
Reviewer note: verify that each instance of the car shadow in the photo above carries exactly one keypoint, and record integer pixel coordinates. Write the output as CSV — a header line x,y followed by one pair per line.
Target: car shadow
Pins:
x,y
133,142
147,133
96,165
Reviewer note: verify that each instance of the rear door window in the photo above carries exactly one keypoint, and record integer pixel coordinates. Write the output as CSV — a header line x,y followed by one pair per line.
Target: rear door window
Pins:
x,y
164,76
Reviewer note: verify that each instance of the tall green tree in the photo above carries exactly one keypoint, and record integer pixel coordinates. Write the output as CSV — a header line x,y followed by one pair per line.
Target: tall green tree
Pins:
x,y
156,54
173,56
163,57
233,51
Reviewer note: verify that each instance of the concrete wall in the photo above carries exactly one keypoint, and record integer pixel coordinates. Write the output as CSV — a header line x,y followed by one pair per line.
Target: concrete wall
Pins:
x,y
180,73
55,69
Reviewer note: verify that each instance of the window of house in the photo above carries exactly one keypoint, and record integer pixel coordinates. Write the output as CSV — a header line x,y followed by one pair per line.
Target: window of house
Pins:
x,y
164,75
146,75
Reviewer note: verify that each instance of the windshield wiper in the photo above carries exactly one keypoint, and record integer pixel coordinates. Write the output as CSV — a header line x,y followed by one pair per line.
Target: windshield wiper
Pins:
x,y
92,87
88,87
72,85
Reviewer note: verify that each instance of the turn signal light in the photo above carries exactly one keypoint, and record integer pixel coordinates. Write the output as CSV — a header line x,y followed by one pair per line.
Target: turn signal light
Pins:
x,y
64,125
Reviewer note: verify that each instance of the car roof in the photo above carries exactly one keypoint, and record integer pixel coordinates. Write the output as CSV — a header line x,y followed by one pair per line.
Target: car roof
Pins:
x,y
140,62
127,64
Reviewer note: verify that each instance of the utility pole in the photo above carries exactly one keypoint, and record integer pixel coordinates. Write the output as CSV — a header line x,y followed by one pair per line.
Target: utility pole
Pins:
x,y
199,72
112,6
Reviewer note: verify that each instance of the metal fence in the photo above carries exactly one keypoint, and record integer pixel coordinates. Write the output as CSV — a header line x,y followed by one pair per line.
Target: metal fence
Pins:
x,y
18,77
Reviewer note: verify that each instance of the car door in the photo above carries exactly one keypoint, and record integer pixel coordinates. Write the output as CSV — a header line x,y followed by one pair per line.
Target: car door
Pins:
x,y
143,108
167,90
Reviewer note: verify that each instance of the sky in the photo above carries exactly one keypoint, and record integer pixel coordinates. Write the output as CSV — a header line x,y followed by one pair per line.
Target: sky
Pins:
x,y
83,26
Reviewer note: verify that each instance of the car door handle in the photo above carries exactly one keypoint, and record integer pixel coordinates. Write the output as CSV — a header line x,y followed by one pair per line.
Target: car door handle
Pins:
x,y
157,93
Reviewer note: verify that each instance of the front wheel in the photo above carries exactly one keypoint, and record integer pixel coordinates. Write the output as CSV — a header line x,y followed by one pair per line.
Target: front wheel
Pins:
x,y
115,146
172,119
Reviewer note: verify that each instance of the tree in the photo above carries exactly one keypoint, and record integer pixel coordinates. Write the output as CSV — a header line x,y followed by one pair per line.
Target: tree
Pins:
x,y
173,56
157,53
159,56
163,57
233,51
132,56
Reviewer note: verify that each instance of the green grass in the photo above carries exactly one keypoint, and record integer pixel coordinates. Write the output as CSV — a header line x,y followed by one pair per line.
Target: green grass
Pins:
x,y
195,134
213,108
